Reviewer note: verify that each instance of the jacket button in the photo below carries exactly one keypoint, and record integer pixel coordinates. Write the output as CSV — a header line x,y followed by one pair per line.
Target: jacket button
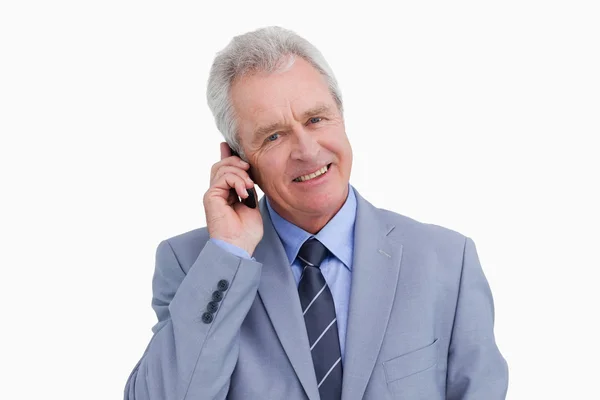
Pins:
x,y
212,307
217,296
207,318
223,285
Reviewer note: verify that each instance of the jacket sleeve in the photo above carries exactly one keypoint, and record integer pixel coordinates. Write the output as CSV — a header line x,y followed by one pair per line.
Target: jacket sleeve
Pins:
x,y
476,369
192,354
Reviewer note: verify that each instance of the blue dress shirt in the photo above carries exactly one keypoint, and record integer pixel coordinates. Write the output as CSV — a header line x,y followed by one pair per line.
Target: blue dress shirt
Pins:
x,y
338,236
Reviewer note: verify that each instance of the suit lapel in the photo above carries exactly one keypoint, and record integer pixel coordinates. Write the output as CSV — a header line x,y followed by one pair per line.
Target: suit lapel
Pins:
x,y
279,294
375,272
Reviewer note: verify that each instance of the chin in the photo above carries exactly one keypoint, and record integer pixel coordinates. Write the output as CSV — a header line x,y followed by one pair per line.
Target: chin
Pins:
x,y
321,203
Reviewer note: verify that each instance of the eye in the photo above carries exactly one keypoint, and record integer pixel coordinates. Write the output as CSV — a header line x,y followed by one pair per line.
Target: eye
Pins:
x,y
312,120
272,137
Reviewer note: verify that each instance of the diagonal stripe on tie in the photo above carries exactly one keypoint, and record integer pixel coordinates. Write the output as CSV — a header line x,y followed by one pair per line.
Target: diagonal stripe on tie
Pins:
x,y
323,334
329,371
330,386
314,298
321,350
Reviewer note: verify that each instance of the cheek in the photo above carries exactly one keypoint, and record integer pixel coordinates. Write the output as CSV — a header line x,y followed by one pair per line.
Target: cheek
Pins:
x,y
348,151
341,148
270,170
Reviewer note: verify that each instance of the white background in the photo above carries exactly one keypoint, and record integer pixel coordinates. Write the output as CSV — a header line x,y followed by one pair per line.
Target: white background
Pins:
x,y
479,116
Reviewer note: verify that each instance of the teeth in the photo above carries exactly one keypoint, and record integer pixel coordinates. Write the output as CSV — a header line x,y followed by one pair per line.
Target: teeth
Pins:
x,y
311,176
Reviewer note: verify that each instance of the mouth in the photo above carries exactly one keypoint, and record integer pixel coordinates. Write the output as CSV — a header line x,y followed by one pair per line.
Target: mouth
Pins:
x,y
313,175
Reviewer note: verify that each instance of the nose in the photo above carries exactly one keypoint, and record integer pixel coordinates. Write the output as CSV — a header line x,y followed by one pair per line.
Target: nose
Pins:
x,y
305,147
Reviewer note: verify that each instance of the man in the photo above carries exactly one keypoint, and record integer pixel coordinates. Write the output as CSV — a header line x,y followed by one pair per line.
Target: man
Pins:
x,y
315,293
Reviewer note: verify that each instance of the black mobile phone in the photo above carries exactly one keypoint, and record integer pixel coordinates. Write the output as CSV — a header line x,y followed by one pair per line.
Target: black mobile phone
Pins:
x,y
249,201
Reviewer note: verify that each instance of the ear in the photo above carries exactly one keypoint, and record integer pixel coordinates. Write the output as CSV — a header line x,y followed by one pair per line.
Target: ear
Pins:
x,y
225,150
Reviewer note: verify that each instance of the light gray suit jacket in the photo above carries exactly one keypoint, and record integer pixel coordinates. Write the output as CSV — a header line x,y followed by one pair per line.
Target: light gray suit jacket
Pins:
x,y
420,321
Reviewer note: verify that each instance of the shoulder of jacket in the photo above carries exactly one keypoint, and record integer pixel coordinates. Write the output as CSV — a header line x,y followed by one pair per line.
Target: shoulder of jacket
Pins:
x,y
422,232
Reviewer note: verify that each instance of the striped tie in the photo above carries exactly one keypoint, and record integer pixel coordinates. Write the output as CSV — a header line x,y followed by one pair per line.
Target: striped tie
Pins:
x,y
320,320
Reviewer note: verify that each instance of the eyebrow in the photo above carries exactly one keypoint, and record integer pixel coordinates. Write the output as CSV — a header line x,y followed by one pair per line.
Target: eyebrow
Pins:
x,y
320,109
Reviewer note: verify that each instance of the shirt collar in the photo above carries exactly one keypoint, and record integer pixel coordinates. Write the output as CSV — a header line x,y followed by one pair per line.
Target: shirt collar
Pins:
x,y
337,235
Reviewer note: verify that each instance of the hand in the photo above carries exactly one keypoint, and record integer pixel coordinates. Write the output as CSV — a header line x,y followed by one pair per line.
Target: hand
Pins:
x,y
227,218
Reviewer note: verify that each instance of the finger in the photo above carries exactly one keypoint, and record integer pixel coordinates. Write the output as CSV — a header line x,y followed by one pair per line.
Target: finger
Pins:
x,y
234,170
229,161
230,181
241,190
240,186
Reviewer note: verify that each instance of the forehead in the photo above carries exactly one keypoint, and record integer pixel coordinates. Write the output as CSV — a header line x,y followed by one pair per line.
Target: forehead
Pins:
x,y
262,99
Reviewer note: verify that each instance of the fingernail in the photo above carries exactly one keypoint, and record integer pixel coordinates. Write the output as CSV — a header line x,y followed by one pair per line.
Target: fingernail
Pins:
x,y
245,191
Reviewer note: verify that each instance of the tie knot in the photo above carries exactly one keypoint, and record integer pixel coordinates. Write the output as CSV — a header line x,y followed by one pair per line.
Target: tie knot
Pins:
x,y
313,252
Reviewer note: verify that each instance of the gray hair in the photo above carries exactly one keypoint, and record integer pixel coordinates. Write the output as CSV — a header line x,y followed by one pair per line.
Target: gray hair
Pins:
x,y
263,50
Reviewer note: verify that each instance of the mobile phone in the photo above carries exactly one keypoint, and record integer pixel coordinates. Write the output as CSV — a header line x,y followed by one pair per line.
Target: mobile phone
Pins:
x,y
249,201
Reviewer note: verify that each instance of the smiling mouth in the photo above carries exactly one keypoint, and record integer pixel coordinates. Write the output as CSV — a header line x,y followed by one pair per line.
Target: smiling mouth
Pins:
x,y
313,175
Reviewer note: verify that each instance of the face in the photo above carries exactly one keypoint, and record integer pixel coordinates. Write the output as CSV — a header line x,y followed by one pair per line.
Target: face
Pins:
x,y
290,127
